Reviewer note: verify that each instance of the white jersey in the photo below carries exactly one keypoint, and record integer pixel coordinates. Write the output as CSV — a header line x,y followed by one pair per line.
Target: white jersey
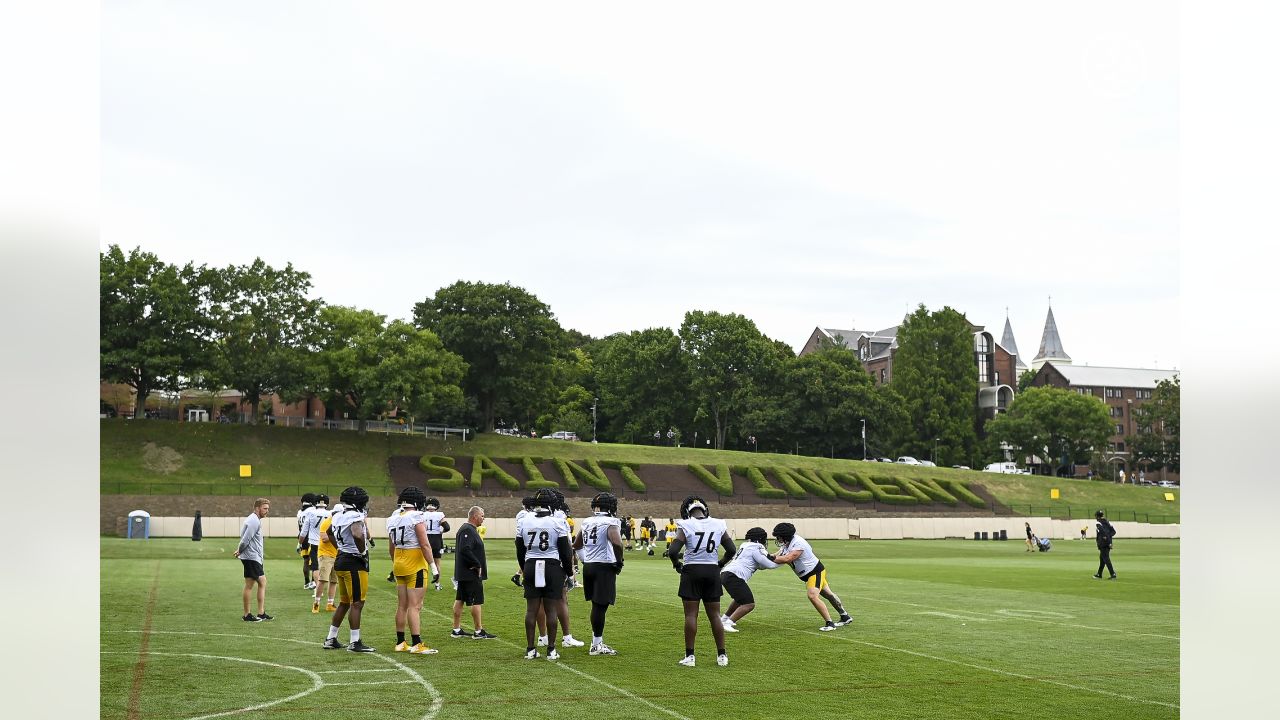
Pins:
x,y
541,535
341,526
807,561
749,558
311,522
401,527
594,531
702,539
434,518
302,512
520,516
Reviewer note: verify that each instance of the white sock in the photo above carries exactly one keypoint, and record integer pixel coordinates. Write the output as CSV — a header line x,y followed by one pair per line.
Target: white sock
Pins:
x,y
542,639
355,635
597,640
333,632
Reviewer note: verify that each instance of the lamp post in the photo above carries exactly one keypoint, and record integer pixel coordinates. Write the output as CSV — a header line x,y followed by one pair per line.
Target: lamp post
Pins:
x,y
864,439
594,402
935,451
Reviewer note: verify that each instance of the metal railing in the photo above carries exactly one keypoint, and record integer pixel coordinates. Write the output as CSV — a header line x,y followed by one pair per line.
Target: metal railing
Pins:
x,y
226,488
389,427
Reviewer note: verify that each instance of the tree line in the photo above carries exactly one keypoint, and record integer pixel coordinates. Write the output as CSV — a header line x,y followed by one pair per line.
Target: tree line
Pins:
x,y
493,356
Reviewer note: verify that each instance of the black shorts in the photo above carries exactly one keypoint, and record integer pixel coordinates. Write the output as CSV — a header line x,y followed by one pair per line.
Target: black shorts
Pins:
x,y
737,588
600,583
701,582
315,557
470,592
554,574
350,562
437,545
252,569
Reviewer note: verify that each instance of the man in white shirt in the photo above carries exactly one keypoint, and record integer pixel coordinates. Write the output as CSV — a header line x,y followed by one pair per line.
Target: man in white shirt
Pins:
x,y
796,552
751,556
249,553
701,536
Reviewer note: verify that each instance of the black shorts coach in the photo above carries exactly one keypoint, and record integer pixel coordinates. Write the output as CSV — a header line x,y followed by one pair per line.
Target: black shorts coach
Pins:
x,y
701,582
600,583
252,569
553,573
470,592
737,588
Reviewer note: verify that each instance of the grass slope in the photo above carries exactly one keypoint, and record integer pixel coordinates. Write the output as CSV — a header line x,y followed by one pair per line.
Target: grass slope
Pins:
x,y
293,460
943,629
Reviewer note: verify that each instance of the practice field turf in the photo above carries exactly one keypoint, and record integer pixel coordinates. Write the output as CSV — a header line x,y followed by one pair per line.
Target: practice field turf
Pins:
x,y
942,629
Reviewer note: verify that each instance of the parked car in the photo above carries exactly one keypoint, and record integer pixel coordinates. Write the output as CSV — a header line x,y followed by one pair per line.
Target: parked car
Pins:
x,y
907,460
960,467
561,435
1167,484
885,460
1008,468
927,463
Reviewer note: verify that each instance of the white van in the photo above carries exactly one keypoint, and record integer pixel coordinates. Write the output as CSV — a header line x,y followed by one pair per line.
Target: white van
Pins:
x,y
1008,468
907,460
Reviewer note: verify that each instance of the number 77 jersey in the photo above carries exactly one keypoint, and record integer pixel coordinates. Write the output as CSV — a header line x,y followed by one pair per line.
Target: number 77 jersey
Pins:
x,y
702,538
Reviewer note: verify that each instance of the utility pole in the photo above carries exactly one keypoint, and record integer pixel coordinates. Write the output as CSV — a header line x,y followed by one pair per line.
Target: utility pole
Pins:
x,y
864,439
594,401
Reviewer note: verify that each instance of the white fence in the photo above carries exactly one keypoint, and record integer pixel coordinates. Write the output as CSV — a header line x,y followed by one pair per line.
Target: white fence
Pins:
x,y
382,426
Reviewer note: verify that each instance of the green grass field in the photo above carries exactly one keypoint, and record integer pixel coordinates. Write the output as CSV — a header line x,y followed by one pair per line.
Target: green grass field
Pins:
x,y
942,629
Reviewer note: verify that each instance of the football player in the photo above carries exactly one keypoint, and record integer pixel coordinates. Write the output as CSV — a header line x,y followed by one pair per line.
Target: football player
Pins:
x,y
669,534
436,527
524,512
644,534
544,551
308,500
328,555
628,530
751,556
701,536
410,557
349,531
561,510
311,521
600,543
796,552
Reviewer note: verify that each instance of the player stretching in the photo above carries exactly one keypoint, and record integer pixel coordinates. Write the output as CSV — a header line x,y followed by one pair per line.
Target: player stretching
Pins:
x,y
751,556
796,551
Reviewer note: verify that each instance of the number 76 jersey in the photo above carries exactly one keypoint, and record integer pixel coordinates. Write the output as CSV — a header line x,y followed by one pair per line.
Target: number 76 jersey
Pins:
x,y
702,539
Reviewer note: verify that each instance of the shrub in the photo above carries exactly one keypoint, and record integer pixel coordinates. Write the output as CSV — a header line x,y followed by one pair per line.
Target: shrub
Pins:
x,y
928,489
757,479
482,467
624,469
960,489
809,480
721,482
441,476
787,482
571,471
837,480
534,475
883,489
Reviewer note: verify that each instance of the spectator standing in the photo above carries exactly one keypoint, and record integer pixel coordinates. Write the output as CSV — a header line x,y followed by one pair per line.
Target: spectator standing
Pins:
x,y
471,571
249,552
1121,476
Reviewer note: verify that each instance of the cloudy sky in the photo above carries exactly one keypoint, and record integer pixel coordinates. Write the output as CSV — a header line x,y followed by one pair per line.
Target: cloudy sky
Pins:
x,y
826,165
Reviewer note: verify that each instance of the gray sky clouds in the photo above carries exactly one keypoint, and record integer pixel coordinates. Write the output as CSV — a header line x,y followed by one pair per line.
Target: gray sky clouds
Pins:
x,y
803,167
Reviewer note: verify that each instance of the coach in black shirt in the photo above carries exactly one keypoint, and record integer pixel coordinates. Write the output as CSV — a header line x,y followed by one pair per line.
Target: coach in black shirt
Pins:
x,y
470,570
1105,533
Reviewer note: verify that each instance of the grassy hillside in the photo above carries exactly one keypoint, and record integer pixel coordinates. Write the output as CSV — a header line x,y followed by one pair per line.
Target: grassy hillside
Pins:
x,y
158,457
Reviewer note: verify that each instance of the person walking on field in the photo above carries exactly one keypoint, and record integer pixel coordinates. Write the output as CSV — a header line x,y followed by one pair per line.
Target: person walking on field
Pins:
x,y
1031,542
249,552
1105,533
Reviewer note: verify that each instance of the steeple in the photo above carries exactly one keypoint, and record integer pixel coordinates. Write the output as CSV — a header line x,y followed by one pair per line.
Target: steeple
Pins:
x,y
1008,343
1050,345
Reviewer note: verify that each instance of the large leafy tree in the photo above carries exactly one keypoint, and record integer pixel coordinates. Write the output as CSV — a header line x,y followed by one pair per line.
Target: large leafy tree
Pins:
x,y
263,323
643,377
935,372
153,325
1158,440
509,339
1060,426
370,366
729,359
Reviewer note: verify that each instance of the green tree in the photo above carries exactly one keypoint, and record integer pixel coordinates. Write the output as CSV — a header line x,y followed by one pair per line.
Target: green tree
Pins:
x,y
153,328
643,378
1060,426
371,366
1158,440
727,358
935,372
263,323
1025,379
572,411
508,338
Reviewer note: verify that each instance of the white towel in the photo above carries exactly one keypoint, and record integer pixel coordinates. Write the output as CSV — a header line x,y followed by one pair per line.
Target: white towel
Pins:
x,y
540,573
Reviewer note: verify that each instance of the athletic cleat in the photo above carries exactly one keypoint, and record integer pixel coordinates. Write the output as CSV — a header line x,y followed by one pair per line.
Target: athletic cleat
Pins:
x,y
516,580
571,641
1099,576
552,655
688,661
844,620
422,649
263,617
531,655
484,635
1113,577
542,641
315,608
828,627
309,586
250,617
330,607
401,647
436,586
458,633
722,660
332,644
729,625
360,647
601,649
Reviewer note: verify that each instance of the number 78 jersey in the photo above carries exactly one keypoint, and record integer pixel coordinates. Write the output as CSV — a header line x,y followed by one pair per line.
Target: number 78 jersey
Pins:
x,y
702,537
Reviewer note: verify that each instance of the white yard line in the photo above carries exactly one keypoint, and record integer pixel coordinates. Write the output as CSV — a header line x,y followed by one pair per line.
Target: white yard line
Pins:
x,y
371,682
369,670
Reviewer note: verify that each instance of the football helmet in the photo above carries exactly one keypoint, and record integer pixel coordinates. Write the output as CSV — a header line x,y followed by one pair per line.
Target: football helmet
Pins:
x,y
308,499
544,500
413,497
783,532
322,500
606,502
527,502
431,503
354,497
757,534
691,503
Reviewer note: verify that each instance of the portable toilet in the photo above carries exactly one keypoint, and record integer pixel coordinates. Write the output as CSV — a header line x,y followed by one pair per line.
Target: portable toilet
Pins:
x,y
139,525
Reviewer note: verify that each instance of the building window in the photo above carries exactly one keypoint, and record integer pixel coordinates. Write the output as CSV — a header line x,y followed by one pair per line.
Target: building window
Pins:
x,y
1117,411
1119,429
1143,394
884,375
1119,447
984,357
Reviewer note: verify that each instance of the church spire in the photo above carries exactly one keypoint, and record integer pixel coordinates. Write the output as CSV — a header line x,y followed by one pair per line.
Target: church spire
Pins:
x,y
1008,343
1050,344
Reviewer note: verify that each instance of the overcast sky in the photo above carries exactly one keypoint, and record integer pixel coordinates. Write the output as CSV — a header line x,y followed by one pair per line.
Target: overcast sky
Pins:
x,y
825,165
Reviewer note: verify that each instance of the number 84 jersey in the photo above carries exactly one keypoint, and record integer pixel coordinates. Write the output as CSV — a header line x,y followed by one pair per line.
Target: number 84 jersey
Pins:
x,y
702,539
541,533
